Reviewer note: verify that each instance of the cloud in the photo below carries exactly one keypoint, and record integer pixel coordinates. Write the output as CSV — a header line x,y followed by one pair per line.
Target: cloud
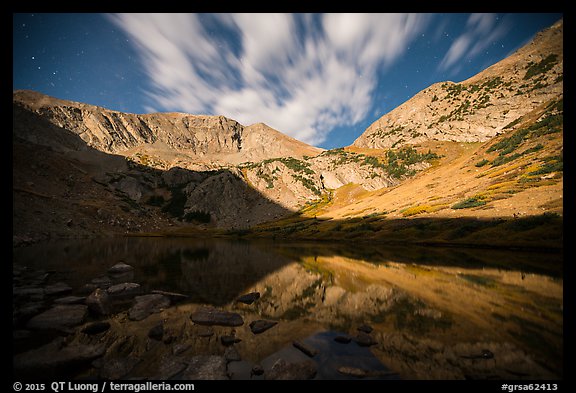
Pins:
x,y
301,74
481,31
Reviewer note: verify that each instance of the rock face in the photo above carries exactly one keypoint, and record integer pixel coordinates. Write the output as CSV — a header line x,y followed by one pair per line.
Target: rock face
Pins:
x,y
478,108
115,132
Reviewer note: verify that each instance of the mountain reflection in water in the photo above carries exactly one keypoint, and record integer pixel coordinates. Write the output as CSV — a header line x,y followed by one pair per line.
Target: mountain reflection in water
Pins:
x,y
435,312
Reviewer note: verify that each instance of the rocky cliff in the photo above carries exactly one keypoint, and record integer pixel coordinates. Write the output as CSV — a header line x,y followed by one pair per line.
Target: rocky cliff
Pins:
x,y
480,107
211,137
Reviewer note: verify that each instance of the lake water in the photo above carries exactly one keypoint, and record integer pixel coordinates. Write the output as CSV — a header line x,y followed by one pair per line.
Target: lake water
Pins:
x,y
435,312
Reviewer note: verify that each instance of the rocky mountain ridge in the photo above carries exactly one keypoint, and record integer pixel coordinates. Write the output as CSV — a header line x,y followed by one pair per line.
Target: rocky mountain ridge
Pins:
x,y
480,107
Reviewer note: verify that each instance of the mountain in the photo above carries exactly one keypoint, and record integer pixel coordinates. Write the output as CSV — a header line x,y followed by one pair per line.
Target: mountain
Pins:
x,y
474,163
206,138
480,107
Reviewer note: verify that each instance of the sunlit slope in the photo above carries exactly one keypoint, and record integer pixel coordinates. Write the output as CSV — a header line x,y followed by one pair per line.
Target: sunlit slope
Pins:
x,y
507,191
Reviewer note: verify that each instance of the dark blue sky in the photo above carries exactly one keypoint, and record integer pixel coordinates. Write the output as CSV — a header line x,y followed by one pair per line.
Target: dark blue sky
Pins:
x,y
321,78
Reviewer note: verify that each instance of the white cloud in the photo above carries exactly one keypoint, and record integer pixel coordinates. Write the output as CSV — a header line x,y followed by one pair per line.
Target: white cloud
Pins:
x,y
481,31
301,74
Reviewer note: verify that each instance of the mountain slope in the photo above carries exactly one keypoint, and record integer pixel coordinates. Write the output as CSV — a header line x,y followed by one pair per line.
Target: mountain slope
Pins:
x,y
205,138
478,108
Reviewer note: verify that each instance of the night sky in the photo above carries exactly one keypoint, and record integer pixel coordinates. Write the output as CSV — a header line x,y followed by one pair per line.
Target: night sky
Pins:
x,y
321,78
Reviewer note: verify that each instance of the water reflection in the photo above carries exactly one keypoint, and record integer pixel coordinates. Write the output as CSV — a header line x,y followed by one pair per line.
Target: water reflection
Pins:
x,y
434,311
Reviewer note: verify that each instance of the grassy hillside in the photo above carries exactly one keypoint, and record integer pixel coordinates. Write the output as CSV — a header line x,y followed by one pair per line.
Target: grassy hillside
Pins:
x,y
506,192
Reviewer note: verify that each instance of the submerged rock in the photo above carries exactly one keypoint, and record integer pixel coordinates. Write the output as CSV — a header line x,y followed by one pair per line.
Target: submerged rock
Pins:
x,y
146,305
365,328
345,339
54,355
229,340
96,328
231,354
119,268
261,325
212,316
169,367
118,368
282,370
307,349
364,340
206,367
249,298
157,332
61,317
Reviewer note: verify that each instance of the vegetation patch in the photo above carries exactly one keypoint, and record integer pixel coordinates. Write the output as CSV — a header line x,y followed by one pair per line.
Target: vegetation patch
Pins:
x,y
481,163
474,201
541,67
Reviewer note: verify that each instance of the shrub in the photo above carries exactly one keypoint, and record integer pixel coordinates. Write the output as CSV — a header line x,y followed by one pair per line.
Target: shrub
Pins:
x,y
470,202
541,67
481,163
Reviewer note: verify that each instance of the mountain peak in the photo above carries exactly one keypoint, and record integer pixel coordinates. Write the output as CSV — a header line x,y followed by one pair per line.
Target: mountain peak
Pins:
x,y
478,108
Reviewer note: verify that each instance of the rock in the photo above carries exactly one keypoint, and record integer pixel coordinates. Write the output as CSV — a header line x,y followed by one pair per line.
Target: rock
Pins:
x,y
117,368
240,370
365,328
364,340
343,339
59,287
173,296
61,317
96,328
102,282
169,367
361,373
249,298
229,340
120,267
157,332
257,370
177,349
282,370
231,355
56,356
28,292
206,367
70,300
146,305
205,331
212,316
261,325
98,302
124,289
308,350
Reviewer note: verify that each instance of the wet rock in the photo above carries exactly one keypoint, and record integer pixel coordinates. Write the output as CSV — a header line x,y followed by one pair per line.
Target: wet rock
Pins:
x,y
157,332
282,370
57,288
206,367
231,354
257,370
364,340
345,339
212,316
173,296
119,268
306,349
169,367
365,328
124,289
98,302
249,298
102,282
361,373
96,328
61,317
118,368
239,370
28,292
261,325
229,340
146,305
205,331
177,349
55,355
70,300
